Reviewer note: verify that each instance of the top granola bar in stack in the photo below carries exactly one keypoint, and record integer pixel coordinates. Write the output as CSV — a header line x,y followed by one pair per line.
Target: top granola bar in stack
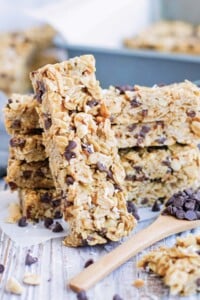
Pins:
x,y
82,151
161,115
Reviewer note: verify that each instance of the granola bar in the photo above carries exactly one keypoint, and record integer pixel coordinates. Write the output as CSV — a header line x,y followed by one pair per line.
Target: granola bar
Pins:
x,y
33,175
82,151
27,147
170,36
176,105
20,115
40,204
156,133
157,173
178,265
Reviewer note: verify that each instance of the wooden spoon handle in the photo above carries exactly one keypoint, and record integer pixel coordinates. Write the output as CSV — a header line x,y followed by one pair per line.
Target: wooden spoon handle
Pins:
x,y
162,227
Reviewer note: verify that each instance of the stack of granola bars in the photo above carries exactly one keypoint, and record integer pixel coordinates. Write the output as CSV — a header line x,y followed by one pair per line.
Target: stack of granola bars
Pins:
x,y
158,132
83,152
28,167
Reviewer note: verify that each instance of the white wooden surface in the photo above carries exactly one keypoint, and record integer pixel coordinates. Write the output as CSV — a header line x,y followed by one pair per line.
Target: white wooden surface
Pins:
x,y
57,264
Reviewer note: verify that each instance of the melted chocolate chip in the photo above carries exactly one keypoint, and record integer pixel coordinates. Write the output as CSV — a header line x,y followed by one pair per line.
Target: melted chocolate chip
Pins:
x,y
29,260
161,140
46,197
16,124
198,282
88,263
22,222
92,103
191,113
47,121
144,112
1,268
57,227
144,130
122,89
69,180
40,89
135,103
131,127
27,174
17,142
12,185
39,173
101,167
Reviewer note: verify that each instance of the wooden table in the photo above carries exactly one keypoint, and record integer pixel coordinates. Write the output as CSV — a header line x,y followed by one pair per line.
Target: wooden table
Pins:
x,y
57,264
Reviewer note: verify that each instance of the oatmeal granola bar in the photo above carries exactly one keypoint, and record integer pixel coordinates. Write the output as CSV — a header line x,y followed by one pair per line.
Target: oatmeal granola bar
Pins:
x,y
156,133
40,204
20,115
33,175
27,147
179,265
170,36
157,173
176,105
82,151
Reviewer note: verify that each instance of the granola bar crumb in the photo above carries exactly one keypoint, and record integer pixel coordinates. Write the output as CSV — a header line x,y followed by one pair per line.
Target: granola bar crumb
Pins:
x,y
138,283
177,265
32,279
13,286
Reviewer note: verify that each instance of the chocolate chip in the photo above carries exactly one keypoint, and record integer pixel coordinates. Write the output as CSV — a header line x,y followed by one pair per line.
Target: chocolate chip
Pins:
x,y
39,173
40,89
88,148
198,282
190,215
144,130
22,222
69,155
82,296
190,205
16,124
71,145
156,206
27,174
47,121
117,297
166,163
161,140
145,201
178,201
57,227
58,215
101,167
12,185
46,197
138,169
69,180
29,260
56,202
88,263
132,209
48,222
180,214
144,112
160,123
1,268
92,103
135,103
131,127
122,89
191,113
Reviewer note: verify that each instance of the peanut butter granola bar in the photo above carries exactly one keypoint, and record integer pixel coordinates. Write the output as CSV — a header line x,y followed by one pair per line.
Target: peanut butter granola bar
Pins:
x,y
179,266
20,115
27,147
40,204
82,151
157,173
33,175
155,116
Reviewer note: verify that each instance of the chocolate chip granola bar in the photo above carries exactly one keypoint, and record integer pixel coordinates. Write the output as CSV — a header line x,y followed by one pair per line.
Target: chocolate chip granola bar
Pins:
x,y
27,147
82,151
147,116
40,204
157,173
33,175
20,115
179,265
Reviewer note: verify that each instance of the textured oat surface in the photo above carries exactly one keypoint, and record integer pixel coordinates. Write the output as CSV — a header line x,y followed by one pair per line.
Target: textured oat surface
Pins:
x,y
82,151
178,265
157,173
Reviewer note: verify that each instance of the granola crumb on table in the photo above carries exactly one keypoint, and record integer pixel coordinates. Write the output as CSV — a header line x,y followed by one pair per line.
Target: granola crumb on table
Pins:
x,y
179,265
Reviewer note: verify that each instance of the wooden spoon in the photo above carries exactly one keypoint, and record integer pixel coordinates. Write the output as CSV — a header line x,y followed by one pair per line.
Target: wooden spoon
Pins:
x,y
162,227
